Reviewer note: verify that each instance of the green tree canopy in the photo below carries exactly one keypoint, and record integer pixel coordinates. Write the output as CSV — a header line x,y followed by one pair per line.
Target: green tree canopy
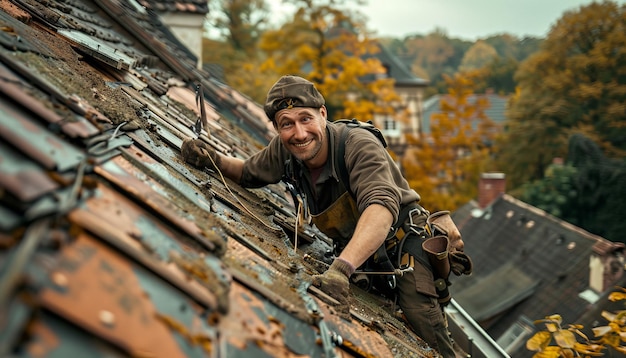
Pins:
x,y
240,24
600,188
587,191
576,83
497,76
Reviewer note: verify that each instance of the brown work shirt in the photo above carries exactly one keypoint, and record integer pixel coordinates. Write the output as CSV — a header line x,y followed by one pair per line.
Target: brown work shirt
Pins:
x,y
374,177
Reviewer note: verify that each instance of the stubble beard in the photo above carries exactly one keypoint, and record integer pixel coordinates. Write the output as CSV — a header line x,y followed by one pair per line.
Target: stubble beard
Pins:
x,y
310,154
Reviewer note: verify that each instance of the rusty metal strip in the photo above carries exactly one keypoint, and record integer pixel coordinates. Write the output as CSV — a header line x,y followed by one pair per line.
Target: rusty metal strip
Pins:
x,y
123,242
259,329
252,284
79,106
288,224
125,18
97,289
36,141
22,178
99,50
156,169
17,260
77,128
158,198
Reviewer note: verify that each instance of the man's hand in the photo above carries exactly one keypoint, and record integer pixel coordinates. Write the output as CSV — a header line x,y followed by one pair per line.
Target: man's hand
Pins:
x,y
460,263
335,281
199,154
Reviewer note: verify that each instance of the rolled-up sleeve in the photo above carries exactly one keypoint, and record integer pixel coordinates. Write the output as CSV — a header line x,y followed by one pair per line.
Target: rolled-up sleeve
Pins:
x,y
265,167
372,177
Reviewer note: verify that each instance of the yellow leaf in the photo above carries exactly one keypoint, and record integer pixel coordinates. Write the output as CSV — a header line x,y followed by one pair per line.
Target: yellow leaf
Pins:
x,y
555,317
611,340
538,341
608,316
600,331
549,352
551,327
594,350
617,296
565,339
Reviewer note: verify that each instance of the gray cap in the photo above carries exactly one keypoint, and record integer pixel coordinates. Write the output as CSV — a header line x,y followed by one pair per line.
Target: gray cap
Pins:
x,y
291,91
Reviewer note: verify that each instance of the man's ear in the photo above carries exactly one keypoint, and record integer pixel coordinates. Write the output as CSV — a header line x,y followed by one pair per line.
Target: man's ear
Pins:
x,y
323,112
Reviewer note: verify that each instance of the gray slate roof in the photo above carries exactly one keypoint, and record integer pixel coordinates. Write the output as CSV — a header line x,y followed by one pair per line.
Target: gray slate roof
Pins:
x,y
527,264
402,76
496,110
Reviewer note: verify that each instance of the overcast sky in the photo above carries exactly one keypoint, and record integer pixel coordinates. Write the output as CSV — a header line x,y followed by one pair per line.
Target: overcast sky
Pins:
x,y
464,19
467,19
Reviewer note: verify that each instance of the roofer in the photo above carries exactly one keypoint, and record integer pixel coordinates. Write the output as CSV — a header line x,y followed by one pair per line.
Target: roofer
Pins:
x,y
355,194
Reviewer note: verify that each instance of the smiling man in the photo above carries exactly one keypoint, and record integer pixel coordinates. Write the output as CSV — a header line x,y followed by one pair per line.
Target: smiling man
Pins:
x,y
355,194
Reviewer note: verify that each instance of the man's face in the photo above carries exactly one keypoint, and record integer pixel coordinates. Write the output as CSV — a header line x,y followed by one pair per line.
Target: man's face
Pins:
x,y
302,131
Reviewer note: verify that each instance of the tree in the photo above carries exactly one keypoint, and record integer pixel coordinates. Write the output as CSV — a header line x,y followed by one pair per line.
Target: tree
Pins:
x,y
555,193
435,54
497,76
576,83
445,166
587,190
330,45
599,184
478,56
240,24
509,46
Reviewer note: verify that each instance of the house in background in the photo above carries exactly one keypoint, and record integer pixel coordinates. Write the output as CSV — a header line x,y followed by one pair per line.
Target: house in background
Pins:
x,y
408,112
528,265
184,18
496,110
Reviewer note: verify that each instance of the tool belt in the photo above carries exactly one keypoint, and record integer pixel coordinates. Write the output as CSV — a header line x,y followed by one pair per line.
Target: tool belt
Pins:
x,y
413,240
387,257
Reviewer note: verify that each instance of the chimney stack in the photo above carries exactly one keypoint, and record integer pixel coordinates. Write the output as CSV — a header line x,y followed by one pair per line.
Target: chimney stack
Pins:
x,y
490,187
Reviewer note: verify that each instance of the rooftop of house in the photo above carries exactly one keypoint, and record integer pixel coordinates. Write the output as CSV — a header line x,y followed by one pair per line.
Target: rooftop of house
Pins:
x,y
181,6
402,76
109,242
527,265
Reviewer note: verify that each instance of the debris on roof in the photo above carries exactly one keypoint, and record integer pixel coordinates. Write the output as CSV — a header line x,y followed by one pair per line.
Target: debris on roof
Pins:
x,y
110,244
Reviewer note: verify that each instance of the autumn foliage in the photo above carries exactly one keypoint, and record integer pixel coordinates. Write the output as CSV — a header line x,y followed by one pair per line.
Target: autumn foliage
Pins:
x,y
445,165
558,342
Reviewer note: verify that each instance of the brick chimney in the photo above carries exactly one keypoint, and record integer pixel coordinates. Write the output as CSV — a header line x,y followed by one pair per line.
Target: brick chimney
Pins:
x,y
490,187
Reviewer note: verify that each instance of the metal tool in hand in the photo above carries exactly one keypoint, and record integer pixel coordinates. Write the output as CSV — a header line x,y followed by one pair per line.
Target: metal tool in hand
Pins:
x,y
201,121
397,272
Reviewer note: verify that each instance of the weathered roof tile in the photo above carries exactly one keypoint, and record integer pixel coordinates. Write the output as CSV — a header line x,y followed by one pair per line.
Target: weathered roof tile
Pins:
x,y
112,245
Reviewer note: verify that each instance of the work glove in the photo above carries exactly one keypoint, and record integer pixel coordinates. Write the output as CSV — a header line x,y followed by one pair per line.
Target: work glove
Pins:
x,y
460,263
199,154
442,224
335,281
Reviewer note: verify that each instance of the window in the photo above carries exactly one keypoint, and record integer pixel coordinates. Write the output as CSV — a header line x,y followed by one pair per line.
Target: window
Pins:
x,y
390,125
516,335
